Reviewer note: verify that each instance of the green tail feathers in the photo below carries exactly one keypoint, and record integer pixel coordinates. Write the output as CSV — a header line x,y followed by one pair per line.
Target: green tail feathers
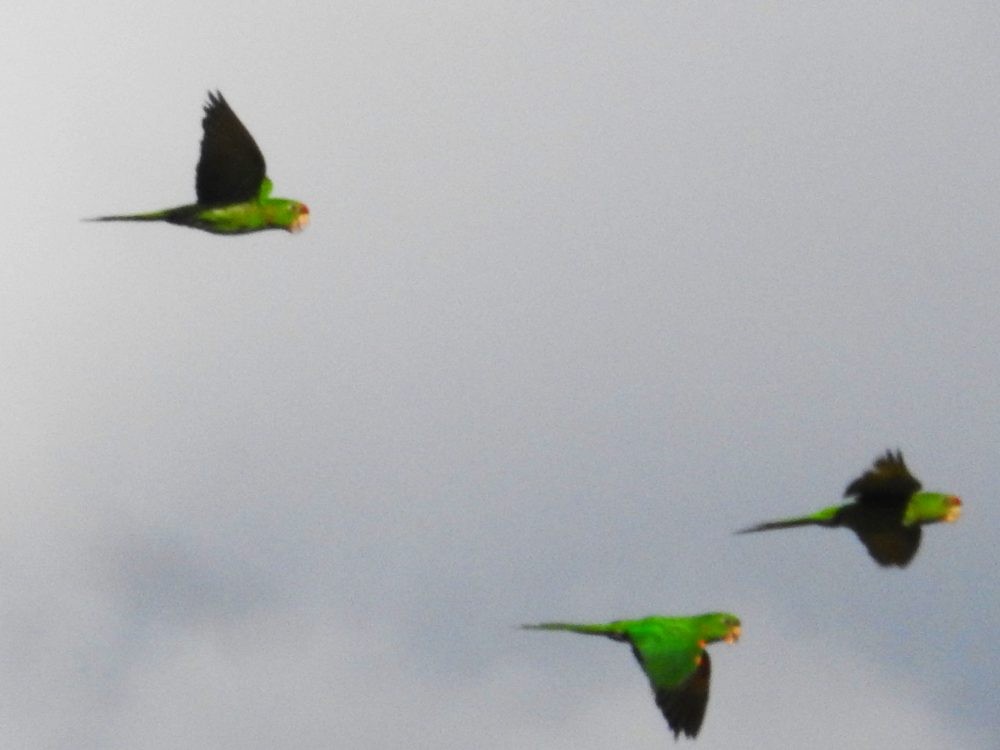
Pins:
x,y
788,523
151,216
825,517
608,629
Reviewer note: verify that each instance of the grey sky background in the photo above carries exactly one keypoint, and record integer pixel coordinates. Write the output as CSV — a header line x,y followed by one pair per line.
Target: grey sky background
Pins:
x,y
587,288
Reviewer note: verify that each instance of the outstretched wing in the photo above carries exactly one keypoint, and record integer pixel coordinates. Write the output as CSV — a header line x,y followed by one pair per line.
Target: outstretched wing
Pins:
x,y
231,167
891,546
684,707
888,484
679,677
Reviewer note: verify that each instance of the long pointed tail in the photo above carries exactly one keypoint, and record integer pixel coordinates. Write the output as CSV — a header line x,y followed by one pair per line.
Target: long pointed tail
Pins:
x,y
151,216
610,630
825,517
787,523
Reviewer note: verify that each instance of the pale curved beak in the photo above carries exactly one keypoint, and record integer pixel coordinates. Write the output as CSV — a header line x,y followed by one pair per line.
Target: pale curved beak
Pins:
x,y
954,509
734,635
301,221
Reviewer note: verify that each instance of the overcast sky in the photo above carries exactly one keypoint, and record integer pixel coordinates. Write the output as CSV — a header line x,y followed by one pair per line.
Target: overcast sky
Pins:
x,y
588,287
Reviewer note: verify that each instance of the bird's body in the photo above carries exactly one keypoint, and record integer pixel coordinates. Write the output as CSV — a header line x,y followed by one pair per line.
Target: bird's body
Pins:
x,y
671,651
233,190
235,218
887,513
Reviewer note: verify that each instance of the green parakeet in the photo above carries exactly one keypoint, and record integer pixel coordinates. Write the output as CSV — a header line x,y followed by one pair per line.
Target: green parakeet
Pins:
x,y
671,651
886,514
231,185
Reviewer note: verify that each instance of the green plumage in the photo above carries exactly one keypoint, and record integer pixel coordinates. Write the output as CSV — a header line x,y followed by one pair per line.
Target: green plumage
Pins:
x,y
671,651
886,514
231,185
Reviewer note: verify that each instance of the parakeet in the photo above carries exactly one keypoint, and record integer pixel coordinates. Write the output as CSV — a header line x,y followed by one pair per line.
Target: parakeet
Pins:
x,y
230,182
887,512
671,651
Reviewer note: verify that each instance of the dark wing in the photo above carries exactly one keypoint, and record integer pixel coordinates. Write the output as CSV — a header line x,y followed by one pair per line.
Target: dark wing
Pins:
x,y
231,167
683,706
888,483
891,547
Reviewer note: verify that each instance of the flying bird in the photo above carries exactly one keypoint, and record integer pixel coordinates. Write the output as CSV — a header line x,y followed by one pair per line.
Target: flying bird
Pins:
x,y
887,511
231,184
671,651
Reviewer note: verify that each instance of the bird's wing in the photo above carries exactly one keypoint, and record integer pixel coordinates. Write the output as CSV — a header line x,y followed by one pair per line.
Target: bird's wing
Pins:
x,y
679,674
231,168
888,484
891,546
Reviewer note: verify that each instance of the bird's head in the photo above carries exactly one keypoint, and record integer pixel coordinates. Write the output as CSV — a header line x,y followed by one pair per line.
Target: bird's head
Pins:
x,y
932,507
719,626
